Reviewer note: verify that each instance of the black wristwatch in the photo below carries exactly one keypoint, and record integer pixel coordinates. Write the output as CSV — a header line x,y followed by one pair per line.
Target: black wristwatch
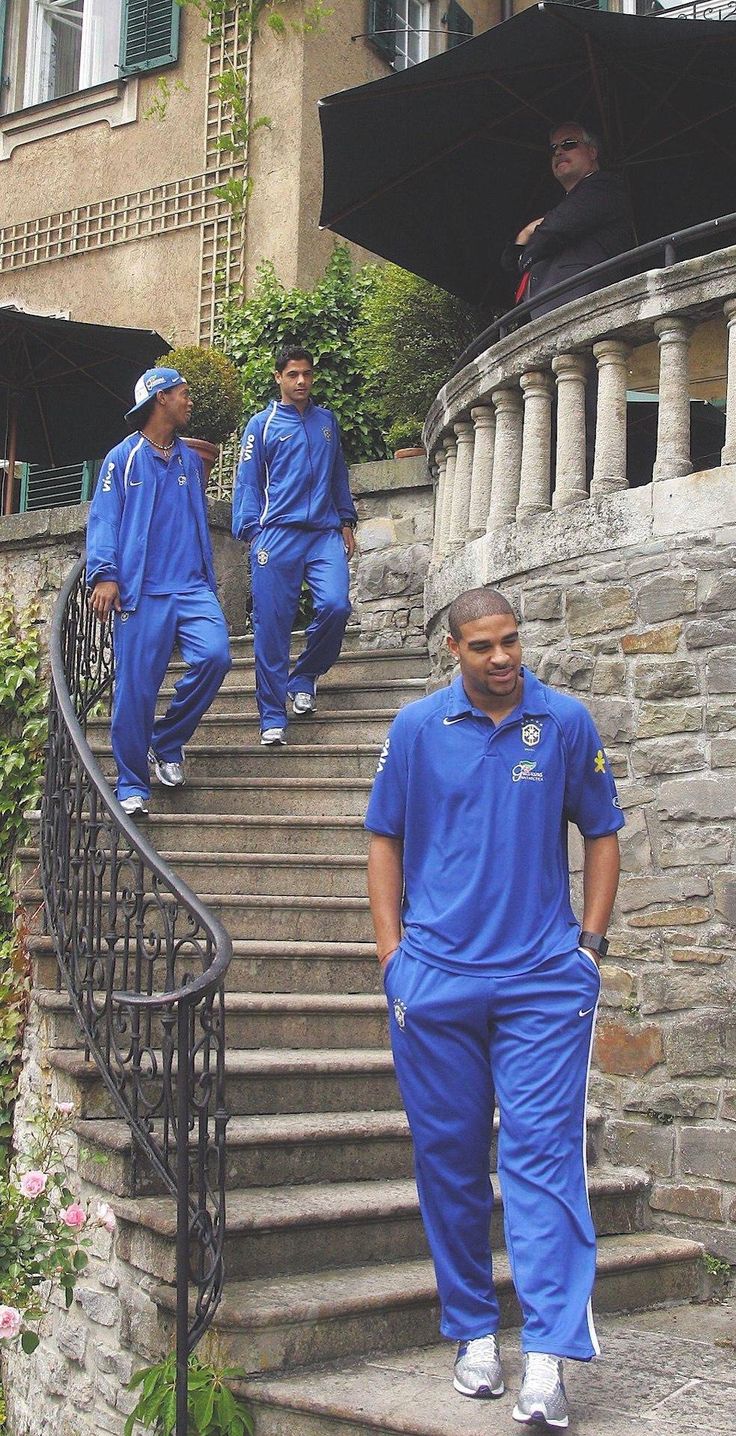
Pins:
x,y
349,524
595,941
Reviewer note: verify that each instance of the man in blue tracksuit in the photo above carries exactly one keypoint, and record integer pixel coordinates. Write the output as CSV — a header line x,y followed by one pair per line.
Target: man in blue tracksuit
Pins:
x,y
149,562
492,987
292,505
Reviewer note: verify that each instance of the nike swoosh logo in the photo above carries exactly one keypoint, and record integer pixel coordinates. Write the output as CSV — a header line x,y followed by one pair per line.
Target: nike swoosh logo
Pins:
x,y
448,721
134,483
283,438
587,1011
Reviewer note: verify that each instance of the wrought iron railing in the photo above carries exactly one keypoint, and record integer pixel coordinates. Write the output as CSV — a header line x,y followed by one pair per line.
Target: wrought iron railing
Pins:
x,y
143,962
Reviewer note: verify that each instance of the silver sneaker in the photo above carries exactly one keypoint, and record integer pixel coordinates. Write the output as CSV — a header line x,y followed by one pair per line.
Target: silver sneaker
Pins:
x,y
477,1370
170,774
134,804
302,704
542,1398
273,737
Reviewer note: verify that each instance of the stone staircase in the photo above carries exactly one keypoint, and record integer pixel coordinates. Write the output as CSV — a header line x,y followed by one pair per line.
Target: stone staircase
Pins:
x,y
325,1256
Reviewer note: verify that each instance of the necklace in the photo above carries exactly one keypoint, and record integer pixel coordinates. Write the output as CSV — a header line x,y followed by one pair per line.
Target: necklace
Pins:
x,y
165,449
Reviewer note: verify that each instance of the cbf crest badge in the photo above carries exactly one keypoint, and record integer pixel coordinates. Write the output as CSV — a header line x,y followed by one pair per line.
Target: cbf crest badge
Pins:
x,y
262,556
327,431
530,734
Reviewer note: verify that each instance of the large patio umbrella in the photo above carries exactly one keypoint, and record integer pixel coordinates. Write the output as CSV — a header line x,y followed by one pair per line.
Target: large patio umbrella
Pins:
x,y
438,166
65,387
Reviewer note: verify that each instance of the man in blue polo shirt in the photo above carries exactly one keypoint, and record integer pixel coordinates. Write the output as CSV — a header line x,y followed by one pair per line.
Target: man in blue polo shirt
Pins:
x,y
149,563
492,987
292,505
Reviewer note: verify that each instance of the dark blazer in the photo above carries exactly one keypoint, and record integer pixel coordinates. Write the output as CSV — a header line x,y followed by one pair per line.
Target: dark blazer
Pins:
x,y
591,223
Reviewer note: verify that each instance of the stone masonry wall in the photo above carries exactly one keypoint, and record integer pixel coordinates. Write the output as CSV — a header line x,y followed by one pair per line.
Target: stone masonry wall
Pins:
x,y
645,635
394,502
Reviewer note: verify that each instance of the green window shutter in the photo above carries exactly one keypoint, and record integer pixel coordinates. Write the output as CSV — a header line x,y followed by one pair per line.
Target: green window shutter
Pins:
x,y
382,27
459,25
149,35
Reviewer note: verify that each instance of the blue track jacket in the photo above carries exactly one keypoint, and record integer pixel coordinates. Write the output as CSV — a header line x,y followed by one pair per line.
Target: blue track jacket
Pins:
x,y
292,471
120,543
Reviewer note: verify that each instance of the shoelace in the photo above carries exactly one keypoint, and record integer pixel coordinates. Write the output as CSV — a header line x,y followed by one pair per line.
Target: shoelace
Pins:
x,y
542,1370
482,1349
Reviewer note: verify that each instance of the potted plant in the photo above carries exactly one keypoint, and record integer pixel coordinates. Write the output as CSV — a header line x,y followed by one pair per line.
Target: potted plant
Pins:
x,y
217,397
405,438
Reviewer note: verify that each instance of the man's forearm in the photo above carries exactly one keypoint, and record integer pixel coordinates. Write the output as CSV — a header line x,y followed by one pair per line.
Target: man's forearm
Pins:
x,y
600,881
385,890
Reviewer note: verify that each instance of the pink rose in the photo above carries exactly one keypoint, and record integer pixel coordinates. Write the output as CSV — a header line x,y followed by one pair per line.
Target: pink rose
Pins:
x,y
32,1184
65,1107
10,1322
106,1216
74,1216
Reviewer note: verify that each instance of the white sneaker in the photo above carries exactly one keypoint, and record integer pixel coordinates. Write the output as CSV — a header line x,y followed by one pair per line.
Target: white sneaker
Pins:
x,y
302,704
134,804
273,737
170,774
477,1371
542,1400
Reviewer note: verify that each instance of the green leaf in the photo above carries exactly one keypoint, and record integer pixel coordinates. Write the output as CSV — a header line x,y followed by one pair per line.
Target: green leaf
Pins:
x,y
29,1341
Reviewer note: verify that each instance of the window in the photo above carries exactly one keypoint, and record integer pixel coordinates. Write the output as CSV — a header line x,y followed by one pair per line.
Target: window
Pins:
x,y
400,30
72,44
412,38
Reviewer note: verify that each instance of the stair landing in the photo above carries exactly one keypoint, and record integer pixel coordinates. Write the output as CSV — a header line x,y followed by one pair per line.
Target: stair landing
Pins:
x,y
670,1371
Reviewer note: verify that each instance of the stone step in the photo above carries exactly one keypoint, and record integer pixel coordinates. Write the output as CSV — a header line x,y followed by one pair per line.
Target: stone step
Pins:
x,y
653,1378
228,722
352,665
257,834
285,1322
286,1150
255,1020
333,695
250,760
261,1082
311,919
290,875
302,797
289,1230
266,966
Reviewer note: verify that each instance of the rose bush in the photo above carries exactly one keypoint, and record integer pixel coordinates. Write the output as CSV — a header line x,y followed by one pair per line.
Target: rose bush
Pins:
x,y
42,1221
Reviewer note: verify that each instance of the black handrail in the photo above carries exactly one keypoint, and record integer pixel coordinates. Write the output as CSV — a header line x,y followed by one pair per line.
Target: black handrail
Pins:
x,y
144,962
633,259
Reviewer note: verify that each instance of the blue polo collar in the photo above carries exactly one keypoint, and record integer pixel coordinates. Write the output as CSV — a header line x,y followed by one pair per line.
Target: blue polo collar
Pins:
x,y
534,701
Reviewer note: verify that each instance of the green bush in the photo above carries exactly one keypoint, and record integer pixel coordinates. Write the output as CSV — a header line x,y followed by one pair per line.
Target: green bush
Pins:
x,y
408,339
324,320
215,387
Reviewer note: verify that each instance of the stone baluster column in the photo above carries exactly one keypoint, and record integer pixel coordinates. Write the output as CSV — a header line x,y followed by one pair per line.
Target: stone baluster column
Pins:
x,y
571,485
461,493
484,420
673,419
609,467
534,489
506,458
439,468
728,452
450,448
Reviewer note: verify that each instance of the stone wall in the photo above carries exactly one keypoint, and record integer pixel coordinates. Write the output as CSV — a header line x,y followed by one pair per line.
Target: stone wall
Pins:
x,y
394,500
629,605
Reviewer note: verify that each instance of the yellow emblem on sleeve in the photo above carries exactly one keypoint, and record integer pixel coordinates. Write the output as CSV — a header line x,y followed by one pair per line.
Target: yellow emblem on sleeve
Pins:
x,y
600,761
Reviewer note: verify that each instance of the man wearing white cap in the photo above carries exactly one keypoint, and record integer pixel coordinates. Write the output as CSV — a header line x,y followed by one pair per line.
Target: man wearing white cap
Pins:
x,y
149,563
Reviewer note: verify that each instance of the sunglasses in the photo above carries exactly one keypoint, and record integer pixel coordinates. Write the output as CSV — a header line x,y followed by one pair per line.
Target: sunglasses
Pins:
x,y
565,145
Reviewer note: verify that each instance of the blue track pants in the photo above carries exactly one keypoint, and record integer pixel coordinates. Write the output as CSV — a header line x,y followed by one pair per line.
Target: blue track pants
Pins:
x,y
144,641
460,1044
295,554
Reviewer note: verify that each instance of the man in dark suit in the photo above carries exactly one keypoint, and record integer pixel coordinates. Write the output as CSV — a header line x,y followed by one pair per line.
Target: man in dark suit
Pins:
x,y
591,223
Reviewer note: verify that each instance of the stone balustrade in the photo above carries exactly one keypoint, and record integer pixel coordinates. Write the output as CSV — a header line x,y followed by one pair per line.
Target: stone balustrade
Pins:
x,y
538,422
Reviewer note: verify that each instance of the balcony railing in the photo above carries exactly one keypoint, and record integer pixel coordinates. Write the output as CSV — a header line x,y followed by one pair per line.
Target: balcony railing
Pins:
x,y
512,435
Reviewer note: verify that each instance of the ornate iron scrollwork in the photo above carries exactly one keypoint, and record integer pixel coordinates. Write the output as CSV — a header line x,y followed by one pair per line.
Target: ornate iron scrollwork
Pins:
x,y
143,962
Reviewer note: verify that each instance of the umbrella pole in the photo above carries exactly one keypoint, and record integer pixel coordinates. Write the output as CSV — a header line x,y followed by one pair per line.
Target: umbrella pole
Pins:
x,y
12,447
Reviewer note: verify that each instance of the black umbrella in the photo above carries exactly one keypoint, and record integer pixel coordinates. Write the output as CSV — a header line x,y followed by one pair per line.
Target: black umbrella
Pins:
x,y
438,166
65,387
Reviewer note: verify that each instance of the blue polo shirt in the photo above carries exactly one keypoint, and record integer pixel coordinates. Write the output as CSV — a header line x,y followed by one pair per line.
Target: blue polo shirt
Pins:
x,y
483,809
